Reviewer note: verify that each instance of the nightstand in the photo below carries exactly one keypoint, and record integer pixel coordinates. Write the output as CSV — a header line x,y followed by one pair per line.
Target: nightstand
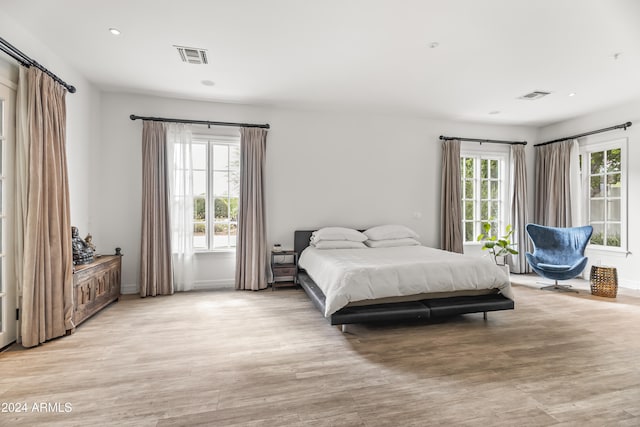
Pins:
x,y
284,266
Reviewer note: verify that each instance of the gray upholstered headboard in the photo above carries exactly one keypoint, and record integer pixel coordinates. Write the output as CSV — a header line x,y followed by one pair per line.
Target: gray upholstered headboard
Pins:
x,y
301,240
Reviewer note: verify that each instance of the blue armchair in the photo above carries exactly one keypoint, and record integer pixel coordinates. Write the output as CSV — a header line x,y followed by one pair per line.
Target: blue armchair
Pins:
x,y
558,252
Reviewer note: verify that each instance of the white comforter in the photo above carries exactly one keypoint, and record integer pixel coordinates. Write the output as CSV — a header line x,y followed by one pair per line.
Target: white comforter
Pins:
x,y
347,275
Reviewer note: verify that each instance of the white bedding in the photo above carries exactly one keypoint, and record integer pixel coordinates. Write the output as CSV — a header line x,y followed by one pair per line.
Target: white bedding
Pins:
x,y
348,275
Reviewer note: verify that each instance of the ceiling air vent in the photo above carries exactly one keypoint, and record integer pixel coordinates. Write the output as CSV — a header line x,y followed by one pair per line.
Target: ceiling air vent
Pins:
x,y
536,94
192,55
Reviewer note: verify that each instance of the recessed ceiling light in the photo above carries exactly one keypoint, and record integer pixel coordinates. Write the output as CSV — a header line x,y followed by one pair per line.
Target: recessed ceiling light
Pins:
x,y
207,82
434,45
494,112
114,31
572,94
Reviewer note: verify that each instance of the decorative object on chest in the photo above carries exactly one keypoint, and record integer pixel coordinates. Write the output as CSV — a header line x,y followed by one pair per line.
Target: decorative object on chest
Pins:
x,y
284,266
82,251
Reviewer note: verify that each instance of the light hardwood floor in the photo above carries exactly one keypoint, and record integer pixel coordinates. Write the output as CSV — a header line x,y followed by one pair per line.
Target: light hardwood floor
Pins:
x,y
269,359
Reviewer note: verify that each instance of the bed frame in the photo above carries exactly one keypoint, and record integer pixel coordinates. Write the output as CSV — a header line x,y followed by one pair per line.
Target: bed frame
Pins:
x,y
399,311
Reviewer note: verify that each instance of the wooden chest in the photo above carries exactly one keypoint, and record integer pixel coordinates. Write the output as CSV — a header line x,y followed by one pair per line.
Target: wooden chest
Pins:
x,y
95,286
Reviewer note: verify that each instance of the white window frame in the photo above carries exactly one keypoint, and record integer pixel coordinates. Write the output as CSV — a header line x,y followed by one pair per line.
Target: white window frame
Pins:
x,y
503,157
586,148
210,221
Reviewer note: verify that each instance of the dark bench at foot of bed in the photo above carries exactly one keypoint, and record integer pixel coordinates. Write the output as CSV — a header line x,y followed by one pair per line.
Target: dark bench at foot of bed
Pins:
x,y
424,309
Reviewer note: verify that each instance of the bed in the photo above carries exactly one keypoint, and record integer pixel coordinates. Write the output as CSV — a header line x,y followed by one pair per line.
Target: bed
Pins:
x,y
408,301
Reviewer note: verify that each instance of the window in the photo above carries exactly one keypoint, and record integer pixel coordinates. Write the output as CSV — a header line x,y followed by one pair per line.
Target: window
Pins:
x,y
484,191
603,174
216,189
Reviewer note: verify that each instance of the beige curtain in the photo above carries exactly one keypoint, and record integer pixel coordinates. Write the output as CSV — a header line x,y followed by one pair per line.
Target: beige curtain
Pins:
x,y
553,185
251,250
519,214
451,198
43,222
156,270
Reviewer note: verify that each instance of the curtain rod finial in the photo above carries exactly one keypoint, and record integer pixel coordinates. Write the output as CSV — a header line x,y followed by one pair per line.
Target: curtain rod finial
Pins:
x,y
72,89
132,116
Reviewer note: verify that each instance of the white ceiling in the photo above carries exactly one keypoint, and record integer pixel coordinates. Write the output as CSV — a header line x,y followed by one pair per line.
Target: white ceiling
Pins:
x,y
371,55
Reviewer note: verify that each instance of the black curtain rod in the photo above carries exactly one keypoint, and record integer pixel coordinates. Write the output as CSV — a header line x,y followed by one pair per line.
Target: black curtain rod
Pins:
x,y
200,122
620,126
491,141
25,61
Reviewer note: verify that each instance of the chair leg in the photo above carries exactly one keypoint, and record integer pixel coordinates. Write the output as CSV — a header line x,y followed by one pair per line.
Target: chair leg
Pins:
x,y
557,287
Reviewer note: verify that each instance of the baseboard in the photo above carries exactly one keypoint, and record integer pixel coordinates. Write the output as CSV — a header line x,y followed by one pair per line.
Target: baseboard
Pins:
x,y
630,284
200,285
131,288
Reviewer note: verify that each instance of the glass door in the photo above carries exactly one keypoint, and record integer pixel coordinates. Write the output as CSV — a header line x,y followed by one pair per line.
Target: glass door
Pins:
x,y
8,320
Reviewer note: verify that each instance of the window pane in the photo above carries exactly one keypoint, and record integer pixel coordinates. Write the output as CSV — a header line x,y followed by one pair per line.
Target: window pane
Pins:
x,y
233,233
199,208
221,208
597,210
468,232
220,184
494,169
234,183
220,157
468,210
613,235
484,189
199,235
495,210
596,186
1,152
613,160
484,210
199,183
234,157
233,208
495,195
494,229
468,168
1,117
221,235
484,168
468,189
597,162
613,185
199,156
613,210
597,238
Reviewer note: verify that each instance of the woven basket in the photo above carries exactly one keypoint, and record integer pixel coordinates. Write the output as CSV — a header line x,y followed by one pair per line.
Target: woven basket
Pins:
x,y
604,281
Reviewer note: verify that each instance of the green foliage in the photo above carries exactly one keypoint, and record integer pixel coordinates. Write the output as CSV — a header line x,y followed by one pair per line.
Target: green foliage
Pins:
x,y
199,209
226,208
598,239
498,246
199,228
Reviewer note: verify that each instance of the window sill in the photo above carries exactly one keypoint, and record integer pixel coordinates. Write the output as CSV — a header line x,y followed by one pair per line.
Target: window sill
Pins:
x,y
215,251
608,251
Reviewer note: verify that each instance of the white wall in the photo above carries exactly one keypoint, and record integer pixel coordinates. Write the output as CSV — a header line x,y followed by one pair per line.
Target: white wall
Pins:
x,y
626,264
322,169
83,118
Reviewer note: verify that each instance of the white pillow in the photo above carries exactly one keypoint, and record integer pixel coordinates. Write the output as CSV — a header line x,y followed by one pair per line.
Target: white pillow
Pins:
x,y
390,243
386,232
338,244
338,233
